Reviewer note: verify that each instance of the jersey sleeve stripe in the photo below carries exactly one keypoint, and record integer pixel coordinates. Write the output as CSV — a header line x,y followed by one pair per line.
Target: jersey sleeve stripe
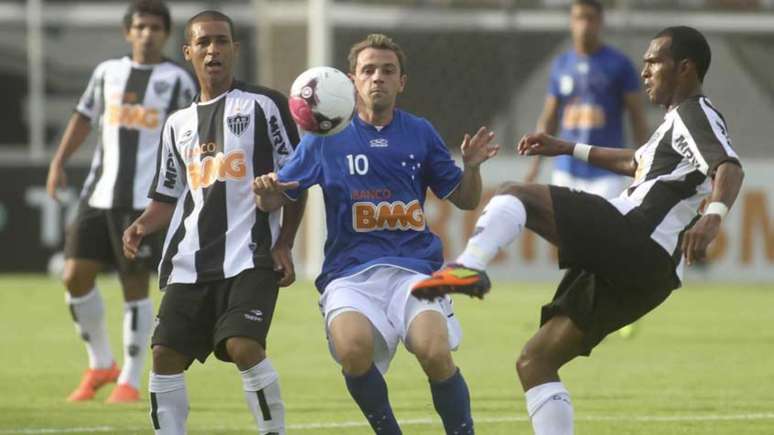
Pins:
x,y
708,148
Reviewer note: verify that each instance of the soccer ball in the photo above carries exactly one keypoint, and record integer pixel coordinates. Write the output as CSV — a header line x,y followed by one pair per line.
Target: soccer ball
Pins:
x,y
322,100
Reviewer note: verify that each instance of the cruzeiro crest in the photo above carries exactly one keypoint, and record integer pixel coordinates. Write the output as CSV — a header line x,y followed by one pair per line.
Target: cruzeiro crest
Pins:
x,y
238,123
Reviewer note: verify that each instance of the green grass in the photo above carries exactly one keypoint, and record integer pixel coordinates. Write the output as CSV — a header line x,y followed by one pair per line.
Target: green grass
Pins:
x,y
703,363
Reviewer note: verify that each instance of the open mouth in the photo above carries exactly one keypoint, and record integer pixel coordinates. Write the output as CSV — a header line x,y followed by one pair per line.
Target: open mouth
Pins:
x,y
213,64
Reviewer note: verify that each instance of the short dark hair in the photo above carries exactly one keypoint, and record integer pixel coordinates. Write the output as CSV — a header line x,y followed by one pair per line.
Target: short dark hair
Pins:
x,y
149,7
689,43
209,15
596,4
378,41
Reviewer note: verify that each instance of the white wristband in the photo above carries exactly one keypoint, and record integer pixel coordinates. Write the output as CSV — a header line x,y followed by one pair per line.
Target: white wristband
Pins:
x,y
717,208
581,151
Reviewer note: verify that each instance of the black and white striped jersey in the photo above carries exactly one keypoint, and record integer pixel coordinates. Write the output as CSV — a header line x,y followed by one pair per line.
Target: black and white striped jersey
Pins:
x,y
674,173
209,156
129,103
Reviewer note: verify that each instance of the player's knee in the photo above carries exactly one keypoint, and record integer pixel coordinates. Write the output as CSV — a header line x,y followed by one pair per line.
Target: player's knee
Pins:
x,y
244,352
167,361
77,282
355,356
432,352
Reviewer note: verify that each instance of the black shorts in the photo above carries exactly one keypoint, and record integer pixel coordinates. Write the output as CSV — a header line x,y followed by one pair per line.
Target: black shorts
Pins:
x,y
617,273
196,319
96,234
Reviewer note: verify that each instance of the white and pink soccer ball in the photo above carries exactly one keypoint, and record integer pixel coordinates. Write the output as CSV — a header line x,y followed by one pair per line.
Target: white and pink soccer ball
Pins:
x,y
322,100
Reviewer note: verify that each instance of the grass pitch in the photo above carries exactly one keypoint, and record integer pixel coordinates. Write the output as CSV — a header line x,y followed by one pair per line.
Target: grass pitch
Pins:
x,y
703,363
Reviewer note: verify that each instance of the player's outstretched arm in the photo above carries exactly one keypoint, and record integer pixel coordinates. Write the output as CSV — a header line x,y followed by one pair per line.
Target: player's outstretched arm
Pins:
x,y
155,217
269,191
78,128
475,151
725,188
620,161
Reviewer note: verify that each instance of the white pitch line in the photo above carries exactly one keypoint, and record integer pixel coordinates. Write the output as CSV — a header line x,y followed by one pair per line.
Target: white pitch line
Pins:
x,y
410,422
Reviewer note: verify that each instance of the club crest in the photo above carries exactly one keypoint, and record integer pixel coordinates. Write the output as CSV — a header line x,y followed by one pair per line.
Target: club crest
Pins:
x,y
161,87
238,123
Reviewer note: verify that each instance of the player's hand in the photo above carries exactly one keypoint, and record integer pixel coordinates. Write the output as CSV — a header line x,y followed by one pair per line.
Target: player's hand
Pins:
x,y
132,238
697,239
268,183
56,179
541,144
478,148
282,255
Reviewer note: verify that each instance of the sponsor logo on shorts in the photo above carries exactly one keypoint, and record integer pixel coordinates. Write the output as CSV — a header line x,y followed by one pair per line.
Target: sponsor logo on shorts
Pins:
x,y
254,315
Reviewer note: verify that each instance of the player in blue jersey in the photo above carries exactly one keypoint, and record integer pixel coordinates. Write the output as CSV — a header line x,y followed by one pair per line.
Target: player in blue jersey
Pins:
x,y
589,88
374,176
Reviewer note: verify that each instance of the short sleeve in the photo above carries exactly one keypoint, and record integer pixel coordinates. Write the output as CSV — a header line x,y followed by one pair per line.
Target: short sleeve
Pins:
x,y
168,183
285,148
439,172
700,133
304,166
90,103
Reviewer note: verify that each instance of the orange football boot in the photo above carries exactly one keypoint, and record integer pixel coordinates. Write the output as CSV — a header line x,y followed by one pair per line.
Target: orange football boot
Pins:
x,y
454,278
93,380
123,393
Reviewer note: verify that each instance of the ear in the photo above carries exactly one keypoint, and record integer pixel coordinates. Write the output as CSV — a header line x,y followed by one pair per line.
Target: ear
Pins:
x,y
126,34
403,80
236,47
685,66
187,52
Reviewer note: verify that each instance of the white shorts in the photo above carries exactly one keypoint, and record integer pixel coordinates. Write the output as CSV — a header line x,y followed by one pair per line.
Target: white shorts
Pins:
x,y
383,295
608,186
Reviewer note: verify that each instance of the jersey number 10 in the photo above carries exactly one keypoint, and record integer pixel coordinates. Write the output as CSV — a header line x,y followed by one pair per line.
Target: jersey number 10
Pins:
x,y
358,164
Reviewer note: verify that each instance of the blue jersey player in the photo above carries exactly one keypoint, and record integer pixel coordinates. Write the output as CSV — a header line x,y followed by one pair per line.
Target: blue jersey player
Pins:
x,y
374,176
588,90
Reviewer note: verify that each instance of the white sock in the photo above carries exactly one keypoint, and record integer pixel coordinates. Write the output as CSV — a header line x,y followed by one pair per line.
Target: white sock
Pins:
x,y
138,321
169,403
262,391
550,409
88,313
501,221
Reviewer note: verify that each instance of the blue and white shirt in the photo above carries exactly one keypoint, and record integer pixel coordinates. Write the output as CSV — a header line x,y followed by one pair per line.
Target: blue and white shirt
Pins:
x,y
374,182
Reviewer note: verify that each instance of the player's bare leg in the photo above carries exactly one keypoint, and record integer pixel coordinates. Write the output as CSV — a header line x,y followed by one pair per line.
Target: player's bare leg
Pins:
x,y
514,207
168,395
88,313
557,342
428,339
137,325
261,384
353,341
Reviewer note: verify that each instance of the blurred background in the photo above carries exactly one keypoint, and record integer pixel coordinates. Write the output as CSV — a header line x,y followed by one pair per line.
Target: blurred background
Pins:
x,y
470,63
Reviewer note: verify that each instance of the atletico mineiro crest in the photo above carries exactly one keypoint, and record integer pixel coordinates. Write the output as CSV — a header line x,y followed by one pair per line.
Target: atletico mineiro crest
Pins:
x,y
238,123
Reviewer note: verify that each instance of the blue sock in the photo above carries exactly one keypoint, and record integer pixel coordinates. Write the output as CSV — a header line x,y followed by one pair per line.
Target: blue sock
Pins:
x,y
452,402
370,393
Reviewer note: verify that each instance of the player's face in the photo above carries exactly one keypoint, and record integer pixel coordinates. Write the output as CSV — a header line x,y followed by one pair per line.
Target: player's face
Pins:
x,y
211,51
659,72
378,79
585,24
147,35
